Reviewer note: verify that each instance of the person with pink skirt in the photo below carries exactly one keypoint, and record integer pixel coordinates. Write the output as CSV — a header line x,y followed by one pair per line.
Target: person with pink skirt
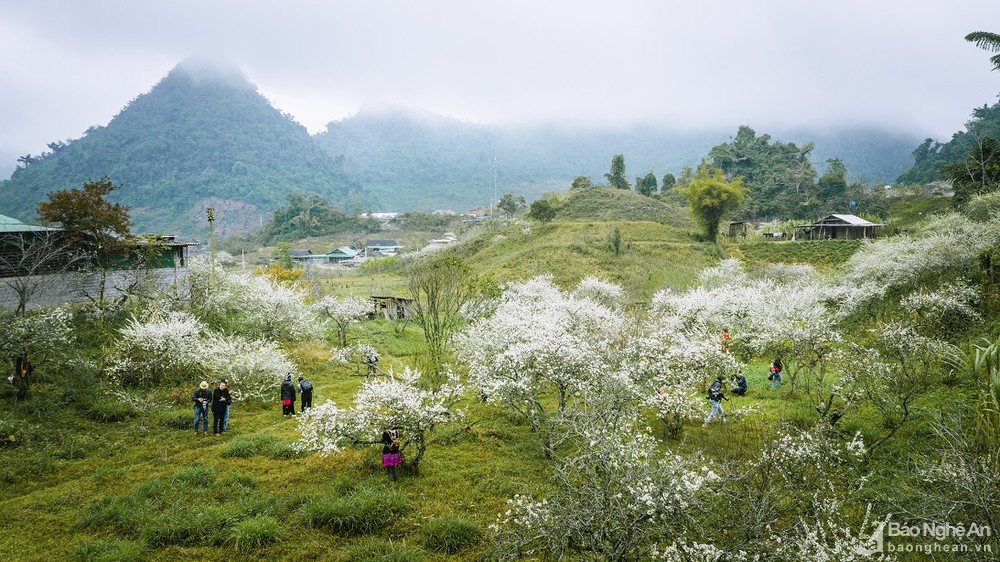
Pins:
x,y
390,451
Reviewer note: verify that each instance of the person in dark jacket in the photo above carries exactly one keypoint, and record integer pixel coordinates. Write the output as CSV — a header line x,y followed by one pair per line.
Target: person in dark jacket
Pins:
x,y
220,401
741,384
288,396
225,418
390,451
22,376
202,399
306,391
716,396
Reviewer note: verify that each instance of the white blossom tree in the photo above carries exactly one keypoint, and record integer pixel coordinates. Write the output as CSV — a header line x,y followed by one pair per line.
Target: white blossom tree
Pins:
x,y
41,337
174,347
616,498
343,313
400,401
539,351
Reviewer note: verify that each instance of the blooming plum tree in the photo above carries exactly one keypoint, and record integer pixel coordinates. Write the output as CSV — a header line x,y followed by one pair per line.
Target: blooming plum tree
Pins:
x,y
399,401
539,351
343,313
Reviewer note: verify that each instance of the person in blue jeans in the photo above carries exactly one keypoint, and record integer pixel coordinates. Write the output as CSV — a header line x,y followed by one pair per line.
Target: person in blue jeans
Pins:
x,y
775,376
225,417
202,399
716,397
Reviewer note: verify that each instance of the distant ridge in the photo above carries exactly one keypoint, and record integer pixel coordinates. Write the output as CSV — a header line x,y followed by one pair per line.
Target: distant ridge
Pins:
x,y
203,136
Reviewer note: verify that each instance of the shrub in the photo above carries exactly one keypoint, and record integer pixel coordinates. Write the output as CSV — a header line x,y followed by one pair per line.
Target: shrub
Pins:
x,y
449,533
109,550
238,479
254,533
366,510
197,476
246,446
121,514
191,523
176,418
375,550
103,408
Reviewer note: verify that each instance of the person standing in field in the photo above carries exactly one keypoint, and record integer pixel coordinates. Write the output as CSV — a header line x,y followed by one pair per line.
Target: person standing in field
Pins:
x,y
390,451
306,391
288,396
715,396
220,402
202,399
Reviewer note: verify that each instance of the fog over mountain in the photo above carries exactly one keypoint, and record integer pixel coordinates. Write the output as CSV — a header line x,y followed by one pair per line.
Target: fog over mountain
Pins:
x,y
777,65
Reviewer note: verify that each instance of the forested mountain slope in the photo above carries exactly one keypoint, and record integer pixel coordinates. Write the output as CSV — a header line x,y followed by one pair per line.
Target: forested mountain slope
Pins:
x,y
202,137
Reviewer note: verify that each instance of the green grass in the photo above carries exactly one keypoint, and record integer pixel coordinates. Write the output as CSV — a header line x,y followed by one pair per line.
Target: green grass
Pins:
x,y
81,482
823,254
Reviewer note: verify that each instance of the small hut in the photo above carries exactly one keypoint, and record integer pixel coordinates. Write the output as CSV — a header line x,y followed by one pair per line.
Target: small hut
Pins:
x,y
739,228
393,308
841,227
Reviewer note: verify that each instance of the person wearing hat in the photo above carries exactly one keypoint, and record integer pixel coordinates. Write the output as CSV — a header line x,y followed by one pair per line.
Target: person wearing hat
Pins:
x,y
306,391
220,402
715,396
288,396
202,398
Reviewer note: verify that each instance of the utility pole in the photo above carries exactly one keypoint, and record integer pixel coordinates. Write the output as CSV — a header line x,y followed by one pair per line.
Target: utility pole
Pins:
x,y
211,241
494,200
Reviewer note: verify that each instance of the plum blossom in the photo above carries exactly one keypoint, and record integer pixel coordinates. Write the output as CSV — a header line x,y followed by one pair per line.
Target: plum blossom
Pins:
x,y
398,400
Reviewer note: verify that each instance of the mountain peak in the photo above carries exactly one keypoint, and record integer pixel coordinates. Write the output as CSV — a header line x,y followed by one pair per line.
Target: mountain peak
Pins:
x,y
201,69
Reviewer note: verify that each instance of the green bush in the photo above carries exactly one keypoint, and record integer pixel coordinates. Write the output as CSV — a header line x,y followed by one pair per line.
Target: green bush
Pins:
x,y
246,446
238,479
196,476
121,514
254,533
375,550
450,533
366,510
176,418
107,409
198,522
109,550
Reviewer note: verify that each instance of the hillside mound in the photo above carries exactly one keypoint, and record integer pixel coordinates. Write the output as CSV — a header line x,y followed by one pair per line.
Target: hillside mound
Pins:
x,y
609,204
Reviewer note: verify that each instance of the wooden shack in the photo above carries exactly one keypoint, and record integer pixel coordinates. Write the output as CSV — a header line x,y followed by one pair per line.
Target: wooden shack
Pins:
x,y
840,227
393,308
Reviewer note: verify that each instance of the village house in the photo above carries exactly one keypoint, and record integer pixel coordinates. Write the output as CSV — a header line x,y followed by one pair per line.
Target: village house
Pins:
x,y
382,247
840,227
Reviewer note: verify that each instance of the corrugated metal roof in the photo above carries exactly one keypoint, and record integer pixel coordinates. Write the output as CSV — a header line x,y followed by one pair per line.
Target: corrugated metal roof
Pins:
x,y
10,224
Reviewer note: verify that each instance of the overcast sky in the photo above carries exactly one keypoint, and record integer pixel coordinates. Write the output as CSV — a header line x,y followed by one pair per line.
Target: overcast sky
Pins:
x,y
66,64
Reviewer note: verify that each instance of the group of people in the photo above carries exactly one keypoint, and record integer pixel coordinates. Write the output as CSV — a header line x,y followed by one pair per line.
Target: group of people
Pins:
x,y
288,390
716,392
217,400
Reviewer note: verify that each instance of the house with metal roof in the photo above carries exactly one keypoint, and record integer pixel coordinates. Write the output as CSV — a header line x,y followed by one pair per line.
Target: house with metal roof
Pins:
x,y
382,247
840,227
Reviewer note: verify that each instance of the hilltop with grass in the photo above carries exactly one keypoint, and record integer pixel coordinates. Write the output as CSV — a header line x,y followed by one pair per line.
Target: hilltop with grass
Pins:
x,y
562,415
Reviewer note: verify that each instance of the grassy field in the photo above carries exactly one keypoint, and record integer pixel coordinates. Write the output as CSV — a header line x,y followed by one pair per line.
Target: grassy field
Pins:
x,y
87,477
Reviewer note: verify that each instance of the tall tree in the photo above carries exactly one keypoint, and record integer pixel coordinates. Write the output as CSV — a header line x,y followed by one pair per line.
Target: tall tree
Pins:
x,y
669,181
778,176
711,196
440,288
94,224
616,176
980,173
646,185
510,204
832,185
988,41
